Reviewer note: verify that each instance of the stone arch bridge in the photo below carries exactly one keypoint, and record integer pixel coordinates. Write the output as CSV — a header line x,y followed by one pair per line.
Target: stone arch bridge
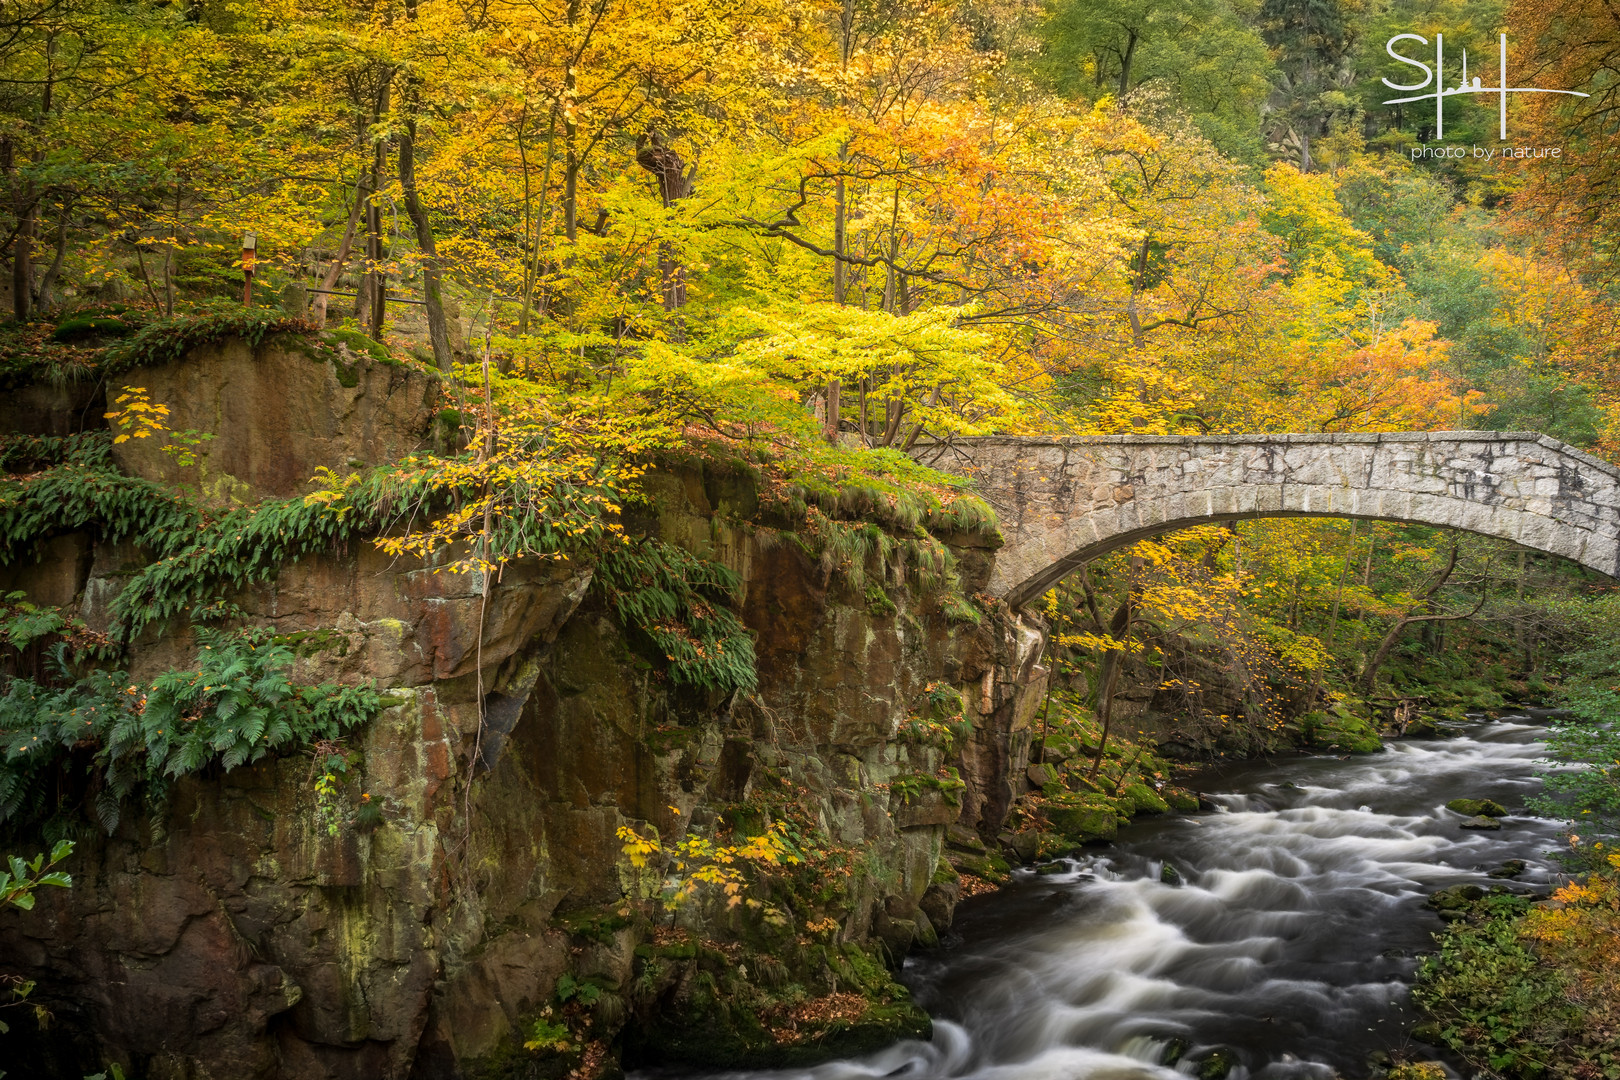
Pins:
x,y
1064,502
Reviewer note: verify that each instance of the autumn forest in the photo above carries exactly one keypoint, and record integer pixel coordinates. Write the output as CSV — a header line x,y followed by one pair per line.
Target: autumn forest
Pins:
x,y
807,247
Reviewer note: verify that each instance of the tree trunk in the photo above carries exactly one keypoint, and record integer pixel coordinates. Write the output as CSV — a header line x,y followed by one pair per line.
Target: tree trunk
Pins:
x,y
376,280
571,163
168,279
1125,63
22,268
432,285
531,265
329,282
1381,654
839,285
673,184
1105,709
1333,616
1118,627
47,285
22,245
846,45
1138,284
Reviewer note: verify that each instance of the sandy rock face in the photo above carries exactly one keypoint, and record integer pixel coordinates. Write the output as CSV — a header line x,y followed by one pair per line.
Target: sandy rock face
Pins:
x,y
277,412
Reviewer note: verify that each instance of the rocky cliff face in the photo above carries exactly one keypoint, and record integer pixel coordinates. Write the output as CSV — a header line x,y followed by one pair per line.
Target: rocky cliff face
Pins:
x,y
225,933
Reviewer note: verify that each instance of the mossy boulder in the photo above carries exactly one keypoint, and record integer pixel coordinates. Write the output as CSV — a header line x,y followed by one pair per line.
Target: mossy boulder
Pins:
x,y
990,867
1216,1064
1340,730
1141,799
1082,822
736,1038
1181,800
1455,902
1477,808
1423,727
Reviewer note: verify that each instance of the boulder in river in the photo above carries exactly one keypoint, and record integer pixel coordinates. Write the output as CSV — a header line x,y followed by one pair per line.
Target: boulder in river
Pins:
x,y
962,838
1477,807
1025,846
1456,900
1143,800
1216,1064
990,867
1181,800
1510,869
1422,728
1081,822
1480,822
1170,875
1428,1032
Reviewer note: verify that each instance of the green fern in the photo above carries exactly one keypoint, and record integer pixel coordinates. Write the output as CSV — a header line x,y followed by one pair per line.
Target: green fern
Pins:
x,y
235,708
678,602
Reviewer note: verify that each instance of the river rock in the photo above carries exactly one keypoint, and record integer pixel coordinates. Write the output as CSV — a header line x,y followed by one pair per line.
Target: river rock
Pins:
x,y
1181,800
1480,823
943,894
1144,800
1428,1032
1510,869
1083,823
927,936
1041,775
1170,875
896,935
962,838
1026,846
1457,900
1216,1064
992,868
1477,808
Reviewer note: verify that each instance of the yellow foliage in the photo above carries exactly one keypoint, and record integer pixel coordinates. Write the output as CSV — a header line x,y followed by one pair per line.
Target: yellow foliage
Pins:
x,y
137,415
698,861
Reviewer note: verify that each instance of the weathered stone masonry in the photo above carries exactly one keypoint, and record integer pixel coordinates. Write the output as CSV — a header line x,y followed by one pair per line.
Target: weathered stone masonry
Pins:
x,y
1064,502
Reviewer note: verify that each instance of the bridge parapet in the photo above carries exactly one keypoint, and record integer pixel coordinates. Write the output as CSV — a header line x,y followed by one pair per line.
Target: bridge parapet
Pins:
x,y
1064,502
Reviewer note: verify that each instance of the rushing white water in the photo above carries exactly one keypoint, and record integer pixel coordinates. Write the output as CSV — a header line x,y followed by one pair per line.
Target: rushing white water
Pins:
x,y
1290,941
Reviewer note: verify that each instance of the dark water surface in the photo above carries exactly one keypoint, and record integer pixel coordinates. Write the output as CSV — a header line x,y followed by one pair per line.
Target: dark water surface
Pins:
x,y
1291,940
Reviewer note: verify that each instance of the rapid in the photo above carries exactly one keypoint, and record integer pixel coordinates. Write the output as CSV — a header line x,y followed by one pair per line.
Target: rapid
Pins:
x,y
1285,933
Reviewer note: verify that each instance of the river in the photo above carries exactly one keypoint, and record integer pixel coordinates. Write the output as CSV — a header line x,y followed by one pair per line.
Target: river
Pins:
x,y
1290,939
